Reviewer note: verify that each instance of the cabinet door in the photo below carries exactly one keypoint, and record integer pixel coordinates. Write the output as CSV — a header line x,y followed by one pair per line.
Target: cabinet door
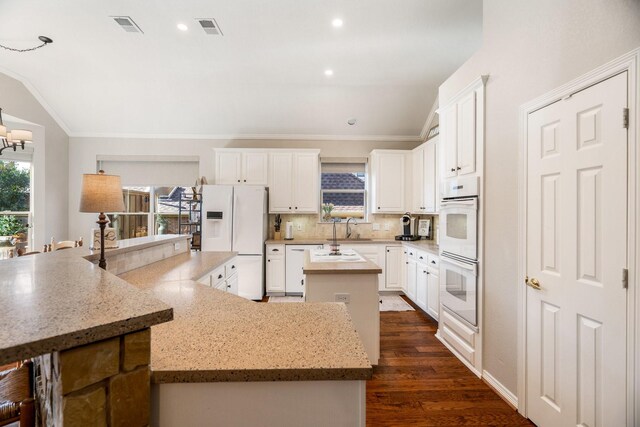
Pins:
x,y
394,267
430,177
254,168
403,270
449,141
232,284
294,262
467,134
228,167
411,279
390,183
306,195
418,157
421,285
275,273
433,294
280,186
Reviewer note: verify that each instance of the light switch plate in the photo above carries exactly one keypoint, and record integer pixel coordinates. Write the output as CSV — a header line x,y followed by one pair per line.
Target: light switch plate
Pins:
x,y
375,226
387,226
299,227
176,246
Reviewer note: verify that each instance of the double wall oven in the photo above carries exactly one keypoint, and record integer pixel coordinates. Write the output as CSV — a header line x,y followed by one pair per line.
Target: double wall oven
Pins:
x,y
459,248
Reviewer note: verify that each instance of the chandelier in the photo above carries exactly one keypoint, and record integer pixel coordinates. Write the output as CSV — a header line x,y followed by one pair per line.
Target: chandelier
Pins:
x,y
14,138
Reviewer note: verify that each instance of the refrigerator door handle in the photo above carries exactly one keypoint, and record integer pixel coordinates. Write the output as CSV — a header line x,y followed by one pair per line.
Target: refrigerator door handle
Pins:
x,y
234,228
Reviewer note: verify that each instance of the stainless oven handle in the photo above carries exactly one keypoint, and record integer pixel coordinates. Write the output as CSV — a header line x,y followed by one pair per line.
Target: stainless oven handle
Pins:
x,y
460,202
464,265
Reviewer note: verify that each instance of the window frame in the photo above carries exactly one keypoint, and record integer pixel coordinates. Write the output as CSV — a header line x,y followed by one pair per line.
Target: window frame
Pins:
x,y
364,191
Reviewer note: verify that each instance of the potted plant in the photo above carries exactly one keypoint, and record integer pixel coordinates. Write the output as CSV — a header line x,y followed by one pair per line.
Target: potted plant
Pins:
x,y
162,224
10,226
326,211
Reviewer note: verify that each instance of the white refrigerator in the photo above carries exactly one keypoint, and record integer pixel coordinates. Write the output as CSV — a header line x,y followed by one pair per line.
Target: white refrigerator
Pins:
x,y
234,218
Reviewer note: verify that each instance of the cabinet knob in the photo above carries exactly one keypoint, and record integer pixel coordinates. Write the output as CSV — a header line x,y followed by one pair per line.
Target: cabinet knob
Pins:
x,y
378,207
245,180
238,180
289,207
219,276
453,169
275,250
233,266
268,260
433,262
421,258
296,207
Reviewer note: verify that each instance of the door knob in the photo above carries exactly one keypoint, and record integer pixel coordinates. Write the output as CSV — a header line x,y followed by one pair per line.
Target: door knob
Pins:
x,y
533,283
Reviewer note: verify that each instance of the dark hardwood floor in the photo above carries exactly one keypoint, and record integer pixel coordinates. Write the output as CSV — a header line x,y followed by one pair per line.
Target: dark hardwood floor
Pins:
x,y
418,382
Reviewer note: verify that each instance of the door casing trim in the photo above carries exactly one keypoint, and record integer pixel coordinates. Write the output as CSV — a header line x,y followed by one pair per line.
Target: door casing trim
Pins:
x,y
630,63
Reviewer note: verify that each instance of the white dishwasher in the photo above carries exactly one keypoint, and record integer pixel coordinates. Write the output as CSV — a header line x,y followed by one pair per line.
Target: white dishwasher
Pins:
x,y
294,262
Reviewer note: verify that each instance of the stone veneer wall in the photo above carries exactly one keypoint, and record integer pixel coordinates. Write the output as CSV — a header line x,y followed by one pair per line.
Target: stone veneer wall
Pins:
x,y
106,383
121,263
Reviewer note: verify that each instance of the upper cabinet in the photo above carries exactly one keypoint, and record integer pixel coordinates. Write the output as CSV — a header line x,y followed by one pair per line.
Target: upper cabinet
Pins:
x,y
294,179
388,176
241,167
461,128
425,177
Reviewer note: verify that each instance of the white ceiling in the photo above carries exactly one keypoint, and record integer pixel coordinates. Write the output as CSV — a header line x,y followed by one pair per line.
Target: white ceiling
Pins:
x,y
265,76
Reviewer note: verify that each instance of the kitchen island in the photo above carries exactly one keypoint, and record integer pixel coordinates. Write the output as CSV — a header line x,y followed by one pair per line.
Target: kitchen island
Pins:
x,y
235,362
353,281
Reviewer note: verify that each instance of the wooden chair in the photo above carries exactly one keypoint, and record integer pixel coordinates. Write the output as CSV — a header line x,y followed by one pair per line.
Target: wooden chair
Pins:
x,y
16,396
65,244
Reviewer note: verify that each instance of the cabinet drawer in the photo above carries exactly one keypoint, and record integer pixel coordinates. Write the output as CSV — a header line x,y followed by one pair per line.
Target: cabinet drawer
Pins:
x,y
230,269
464,334
433,261
275,249
422,256
217,276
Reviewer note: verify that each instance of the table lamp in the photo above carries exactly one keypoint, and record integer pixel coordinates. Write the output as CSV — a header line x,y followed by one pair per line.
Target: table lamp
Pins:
x,y
101,193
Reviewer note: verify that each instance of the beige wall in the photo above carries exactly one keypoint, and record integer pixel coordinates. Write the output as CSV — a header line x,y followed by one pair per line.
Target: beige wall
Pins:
x,y
83,153
529,49
51,189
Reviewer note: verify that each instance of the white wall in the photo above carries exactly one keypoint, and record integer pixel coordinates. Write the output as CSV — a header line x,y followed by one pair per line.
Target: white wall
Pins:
x,y
84,151
529,48
50,157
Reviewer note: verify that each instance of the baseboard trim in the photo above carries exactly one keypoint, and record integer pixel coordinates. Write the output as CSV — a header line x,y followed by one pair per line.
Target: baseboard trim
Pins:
x,y
501,390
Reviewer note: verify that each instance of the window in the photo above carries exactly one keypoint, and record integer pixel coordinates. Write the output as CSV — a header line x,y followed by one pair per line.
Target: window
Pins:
x,y
343,190
15,198
149,211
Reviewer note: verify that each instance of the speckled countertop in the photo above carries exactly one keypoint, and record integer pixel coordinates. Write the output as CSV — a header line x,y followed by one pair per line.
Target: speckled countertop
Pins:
x,y
339,267
217,337
59,300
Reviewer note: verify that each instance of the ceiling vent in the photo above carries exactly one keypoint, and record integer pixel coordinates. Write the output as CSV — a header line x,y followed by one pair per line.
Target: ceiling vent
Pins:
x,y
210,26
127,24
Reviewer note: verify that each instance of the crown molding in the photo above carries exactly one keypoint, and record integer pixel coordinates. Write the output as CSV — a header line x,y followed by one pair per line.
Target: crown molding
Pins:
x,y
288,137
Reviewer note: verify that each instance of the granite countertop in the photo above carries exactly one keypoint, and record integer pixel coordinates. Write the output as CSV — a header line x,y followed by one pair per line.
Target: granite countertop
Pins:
x,y
220,337
339,267
424,245
59,300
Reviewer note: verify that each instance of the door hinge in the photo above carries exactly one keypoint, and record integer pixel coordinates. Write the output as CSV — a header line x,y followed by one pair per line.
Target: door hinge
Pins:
x,y
625,118
625,278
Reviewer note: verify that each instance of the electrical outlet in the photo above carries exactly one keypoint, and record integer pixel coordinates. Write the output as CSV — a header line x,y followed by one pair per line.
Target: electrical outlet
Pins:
x,y
375,226
176,246
345,298
298,226
387,226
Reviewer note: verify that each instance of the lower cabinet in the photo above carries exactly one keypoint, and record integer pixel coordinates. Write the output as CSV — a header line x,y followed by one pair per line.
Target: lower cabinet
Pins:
x,y
411,278
394,267
275,269
433,293
421,285
421,282
224,278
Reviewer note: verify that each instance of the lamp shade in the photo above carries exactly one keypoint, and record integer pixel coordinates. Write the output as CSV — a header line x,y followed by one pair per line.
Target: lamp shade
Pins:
x,y
21,135
101,193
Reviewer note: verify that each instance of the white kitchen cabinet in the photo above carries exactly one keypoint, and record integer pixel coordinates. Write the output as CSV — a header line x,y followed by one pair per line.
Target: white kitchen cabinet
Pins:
x,y
425,177
224,278
294,182
421,285
411,278
388,175
294,264
240,167
374,253
275,269
461,127
403,270
232,284
433,293
394,267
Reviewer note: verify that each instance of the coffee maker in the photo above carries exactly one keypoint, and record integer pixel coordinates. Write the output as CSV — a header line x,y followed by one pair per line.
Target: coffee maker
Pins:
x,y
409,230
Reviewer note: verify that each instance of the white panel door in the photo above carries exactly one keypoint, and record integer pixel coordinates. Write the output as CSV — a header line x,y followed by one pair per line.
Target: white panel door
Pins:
x,y
228,167
250,276
576,252
306,193
421,286
393,268
390,183
280,184
254,168
430,177
449,138
467,134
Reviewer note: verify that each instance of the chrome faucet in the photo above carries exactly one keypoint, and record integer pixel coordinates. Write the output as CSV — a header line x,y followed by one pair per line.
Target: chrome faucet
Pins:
x,y
348,230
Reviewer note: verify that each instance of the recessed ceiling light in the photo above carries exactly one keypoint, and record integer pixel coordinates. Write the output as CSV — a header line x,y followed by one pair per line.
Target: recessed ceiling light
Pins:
x,y
351,122
328,73
337,22
182,27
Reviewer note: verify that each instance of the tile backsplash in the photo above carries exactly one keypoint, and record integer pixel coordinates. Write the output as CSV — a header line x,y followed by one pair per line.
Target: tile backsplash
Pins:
x,y
309,227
